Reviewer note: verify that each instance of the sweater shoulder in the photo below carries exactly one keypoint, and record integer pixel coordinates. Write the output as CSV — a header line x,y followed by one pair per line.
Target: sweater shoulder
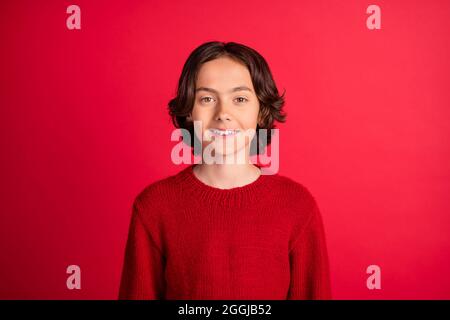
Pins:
x,y
156,192
149,204
304,209
294,189
302,203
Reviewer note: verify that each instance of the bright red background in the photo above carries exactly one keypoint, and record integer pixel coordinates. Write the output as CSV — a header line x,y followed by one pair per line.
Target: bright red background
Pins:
x,y
84,128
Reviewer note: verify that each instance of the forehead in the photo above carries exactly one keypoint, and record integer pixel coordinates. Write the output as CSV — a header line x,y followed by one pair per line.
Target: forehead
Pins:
x,y
223,73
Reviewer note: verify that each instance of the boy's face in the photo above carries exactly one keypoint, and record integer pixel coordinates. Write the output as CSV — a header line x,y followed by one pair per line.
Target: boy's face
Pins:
x,y
225,99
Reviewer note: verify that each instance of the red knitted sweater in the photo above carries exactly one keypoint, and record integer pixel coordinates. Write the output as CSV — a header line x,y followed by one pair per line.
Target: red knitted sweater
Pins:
x,y
188,240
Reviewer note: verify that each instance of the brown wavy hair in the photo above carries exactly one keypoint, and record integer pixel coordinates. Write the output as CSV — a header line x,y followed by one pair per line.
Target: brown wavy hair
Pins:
x,y
270,101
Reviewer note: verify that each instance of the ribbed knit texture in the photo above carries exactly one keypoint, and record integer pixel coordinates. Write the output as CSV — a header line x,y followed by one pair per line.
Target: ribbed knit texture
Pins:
x,y
188,240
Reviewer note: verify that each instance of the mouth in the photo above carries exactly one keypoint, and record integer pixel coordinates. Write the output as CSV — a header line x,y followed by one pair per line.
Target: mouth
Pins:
x,y
224,133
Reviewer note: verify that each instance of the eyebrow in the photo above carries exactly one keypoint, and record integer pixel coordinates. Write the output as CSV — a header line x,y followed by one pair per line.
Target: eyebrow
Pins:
x,y
240,88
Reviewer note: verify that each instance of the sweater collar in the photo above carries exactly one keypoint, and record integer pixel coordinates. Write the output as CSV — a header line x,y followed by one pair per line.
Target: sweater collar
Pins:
x,y
236,197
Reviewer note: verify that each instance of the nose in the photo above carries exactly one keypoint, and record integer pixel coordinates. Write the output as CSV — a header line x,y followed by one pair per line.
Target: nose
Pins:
x,y
222,113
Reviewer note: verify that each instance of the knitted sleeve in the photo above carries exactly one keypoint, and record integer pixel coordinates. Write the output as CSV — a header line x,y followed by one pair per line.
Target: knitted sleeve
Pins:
x,y
143,267
309,265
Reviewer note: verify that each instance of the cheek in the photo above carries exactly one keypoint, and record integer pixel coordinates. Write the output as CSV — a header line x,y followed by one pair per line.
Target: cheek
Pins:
x,y
249,119
200,115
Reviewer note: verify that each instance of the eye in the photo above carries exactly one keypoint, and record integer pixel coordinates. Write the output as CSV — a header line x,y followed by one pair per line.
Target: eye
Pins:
x,y
242,99
205,99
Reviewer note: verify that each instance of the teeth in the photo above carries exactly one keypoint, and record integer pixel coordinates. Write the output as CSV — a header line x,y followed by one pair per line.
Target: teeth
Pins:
x,y
223,132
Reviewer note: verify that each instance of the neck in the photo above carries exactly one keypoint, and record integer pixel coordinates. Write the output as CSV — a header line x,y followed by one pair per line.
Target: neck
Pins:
x,y
227,176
